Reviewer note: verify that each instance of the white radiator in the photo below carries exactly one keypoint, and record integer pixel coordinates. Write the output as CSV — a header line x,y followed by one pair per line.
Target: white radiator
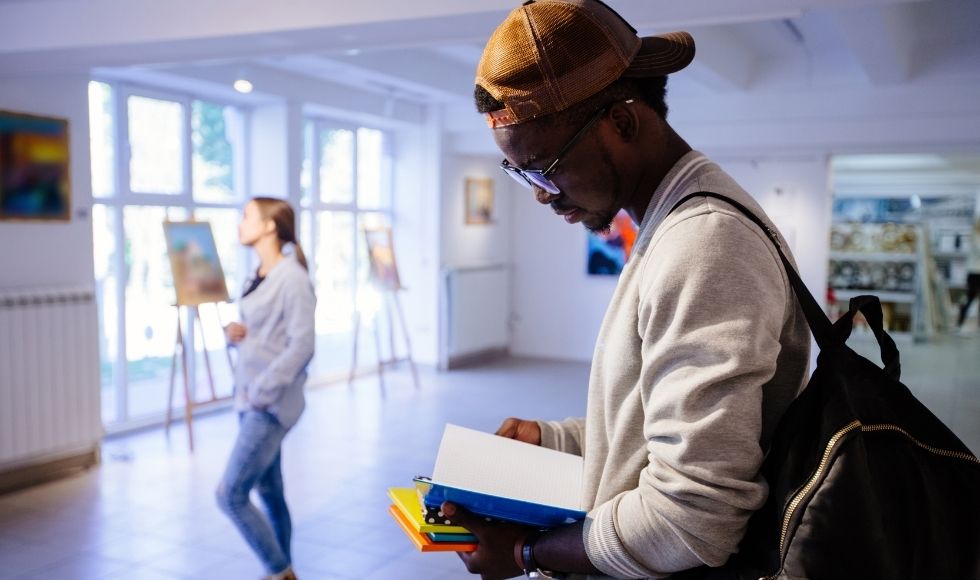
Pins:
x,y
49,375
476,314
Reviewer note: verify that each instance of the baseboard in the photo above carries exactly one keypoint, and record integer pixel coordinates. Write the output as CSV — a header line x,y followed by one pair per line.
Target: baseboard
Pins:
x,y
476,358
48,470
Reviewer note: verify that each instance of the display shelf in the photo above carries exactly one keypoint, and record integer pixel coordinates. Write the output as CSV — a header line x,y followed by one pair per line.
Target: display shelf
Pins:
x,y
874,256
884,296
951,255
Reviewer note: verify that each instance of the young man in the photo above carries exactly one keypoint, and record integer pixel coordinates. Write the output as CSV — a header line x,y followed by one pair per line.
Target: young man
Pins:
x,y
703,345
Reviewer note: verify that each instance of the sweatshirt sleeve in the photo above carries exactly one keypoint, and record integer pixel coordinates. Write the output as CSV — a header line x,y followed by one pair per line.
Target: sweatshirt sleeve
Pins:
x,y
711,308
567,436
298,316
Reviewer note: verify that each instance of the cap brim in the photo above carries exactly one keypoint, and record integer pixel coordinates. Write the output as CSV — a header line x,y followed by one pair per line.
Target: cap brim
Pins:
x,y
662,55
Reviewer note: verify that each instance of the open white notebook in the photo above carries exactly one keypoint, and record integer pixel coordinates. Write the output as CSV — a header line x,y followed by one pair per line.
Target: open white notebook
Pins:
x,y
507,479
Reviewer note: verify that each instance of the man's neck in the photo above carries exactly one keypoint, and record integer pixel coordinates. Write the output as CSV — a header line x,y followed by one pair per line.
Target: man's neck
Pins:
x,y
660,160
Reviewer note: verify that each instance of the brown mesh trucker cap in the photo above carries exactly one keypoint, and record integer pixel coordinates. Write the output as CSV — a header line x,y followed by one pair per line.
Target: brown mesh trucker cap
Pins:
x,y
548,55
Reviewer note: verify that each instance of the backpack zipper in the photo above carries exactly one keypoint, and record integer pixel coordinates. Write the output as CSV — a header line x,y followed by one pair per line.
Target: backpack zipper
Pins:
x,y
828,451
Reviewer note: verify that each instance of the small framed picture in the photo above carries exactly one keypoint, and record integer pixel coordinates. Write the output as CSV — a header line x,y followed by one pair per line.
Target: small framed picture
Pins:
x,y
479,200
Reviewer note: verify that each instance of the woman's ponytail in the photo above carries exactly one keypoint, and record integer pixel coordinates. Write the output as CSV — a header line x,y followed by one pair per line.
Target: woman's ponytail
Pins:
x,y
282,214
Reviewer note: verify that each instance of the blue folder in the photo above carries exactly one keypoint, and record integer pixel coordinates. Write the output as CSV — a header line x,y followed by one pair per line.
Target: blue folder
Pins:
x,y
501,508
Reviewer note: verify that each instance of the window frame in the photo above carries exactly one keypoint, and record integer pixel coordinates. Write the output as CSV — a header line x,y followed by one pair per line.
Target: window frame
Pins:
x,y
314,205
124,197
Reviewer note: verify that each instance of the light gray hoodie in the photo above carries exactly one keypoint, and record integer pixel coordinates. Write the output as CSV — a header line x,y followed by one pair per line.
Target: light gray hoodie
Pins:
x,y
702,348
278,317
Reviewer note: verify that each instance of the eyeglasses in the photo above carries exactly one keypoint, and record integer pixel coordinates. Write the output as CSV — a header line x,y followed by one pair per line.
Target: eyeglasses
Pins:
x,y
531,178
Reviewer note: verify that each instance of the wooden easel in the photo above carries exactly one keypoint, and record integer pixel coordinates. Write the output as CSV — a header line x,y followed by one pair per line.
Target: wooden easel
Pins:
x,y
384,277
180,347
391,302
192,290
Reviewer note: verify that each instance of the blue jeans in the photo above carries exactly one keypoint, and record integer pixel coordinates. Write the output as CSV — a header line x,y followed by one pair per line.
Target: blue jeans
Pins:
x,y
255,462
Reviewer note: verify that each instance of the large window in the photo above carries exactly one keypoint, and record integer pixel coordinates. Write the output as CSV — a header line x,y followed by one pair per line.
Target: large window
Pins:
x,y
157,156
346,186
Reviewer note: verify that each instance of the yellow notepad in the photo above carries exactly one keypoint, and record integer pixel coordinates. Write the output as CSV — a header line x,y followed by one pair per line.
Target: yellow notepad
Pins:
x,y
407,501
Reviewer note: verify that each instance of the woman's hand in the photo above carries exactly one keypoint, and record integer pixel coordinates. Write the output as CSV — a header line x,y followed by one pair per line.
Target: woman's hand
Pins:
x,y
235,333
520,429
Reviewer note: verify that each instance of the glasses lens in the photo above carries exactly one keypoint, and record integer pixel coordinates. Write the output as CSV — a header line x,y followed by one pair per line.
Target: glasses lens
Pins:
x,y
516,175
542,182
530,179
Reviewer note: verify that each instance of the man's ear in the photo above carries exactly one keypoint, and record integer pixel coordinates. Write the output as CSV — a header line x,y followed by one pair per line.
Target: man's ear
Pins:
x,y
626,120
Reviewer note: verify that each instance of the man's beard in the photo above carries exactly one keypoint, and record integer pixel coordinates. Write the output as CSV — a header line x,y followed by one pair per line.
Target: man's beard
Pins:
x,y
607,216
605,223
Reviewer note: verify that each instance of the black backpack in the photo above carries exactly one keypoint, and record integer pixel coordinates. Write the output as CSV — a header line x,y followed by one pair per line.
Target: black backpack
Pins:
x,y
864,481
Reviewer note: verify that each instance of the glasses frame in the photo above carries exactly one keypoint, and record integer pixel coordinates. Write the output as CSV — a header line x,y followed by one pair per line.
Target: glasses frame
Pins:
x,y
540,177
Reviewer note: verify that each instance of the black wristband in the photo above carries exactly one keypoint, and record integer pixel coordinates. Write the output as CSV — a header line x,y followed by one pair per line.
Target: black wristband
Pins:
x,y
531,567
527,552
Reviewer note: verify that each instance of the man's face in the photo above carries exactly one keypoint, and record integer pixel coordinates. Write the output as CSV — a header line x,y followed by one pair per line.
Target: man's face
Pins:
x,y
590,188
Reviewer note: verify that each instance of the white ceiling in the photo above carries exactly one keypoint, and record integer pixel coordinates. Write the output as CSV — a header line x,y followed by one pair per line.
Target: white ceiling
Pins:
x,y
787,76
427,51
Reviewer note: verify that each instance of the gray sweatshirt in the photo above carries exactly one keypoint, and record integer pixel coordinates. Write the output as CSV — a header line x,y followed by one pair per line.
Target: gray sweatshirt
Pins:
x,y
701,350
278,317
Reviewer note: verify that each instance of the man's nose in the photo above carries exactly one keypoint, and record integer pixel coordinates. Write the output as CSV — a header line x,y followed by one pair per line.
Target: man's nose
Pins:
x,y
543,196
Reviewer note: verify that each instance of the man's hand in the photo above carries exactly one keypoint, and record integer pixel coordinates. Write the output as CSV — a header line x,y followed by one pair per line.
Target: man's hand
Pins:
x,y
494,558
235,332
520,429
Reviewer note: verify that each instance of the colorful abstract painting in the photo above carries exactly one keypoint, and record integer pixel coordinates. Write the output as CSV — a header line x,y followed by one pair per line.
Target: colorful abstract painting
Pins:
x,y
609,251
34,171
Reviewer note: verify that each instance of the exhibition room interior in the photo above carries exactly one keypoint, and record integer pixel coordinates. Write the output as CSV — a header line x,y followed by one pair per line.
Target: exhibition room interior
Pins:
x,y
445,293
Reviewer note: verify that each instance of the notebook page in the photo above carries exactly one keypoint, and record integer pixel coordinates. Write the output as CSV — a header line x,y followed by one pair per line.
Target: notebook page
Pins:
x,y
486,463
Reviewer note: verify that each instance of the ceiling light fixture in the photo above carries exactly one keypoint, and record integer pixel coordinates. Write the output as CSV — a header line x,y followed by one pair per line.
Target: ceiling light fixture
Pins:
x,y
242,86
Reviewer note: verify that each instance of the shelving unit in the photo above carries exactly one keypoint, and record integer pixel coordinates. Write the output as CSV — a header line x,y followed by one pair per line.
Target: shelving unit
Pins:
x,y
912,251
888,262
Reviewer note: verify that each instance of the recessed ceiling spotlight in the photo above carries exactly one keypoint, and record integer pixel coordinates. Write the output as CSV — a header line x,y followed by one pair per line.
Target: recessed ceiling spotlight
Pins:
x,y
243,86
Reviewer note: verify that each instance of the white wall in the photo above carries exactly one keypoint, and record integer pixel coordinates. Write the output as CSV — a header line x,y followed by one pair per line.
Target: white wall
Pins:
x,y
465,245
418,216
475,286
52,253
268,146
558,308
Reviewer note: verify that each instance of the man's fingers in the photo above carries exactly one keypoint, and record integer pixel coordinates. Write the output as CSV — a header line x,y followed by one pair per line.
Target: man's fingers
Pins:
x,y
463,517
508,428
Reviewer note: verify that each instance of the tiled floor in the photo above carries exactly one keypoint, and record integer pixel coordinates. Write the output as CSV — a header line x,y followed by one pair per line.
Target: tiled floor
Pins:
x,y
148,512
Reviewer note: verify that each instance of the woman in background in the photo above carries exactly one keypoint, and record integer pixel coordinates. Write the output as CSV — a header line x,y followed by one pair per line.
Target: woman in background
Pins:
x,y
275,344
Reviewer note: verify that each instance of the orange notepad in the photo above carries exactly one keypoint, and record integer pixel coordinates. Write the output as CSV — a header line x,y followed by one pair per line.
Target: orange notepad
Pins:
x,y
422,541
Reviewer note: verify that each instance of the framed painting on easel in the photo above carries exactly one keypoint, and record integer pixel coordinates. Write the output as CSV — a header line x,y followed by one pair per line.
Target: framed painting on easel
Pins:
x,y
198,279
381,257
198,276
